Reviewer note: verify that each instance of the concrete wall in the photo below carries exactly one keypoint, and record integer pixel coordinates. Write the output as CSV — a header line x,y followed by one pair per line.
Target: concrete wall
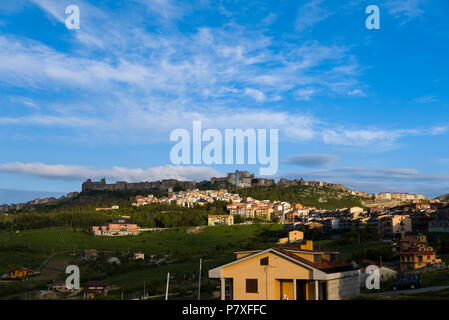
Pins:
x,y
343,288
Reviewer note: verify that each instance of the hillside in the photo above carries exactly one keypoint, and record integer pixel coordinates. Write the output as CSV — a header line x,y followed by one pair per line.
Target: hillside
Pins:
x,y
319,197
444,197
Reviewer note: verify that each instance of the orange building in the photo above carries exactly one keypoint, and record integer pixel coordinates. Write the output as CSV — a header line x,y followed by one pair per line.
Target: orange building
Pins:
x,y
117,227
21,273
414,253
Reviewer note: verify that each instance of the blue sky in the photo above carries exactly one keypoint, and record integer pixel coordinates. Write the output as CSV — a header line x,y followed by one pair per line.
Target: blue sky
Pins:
x,y
366,108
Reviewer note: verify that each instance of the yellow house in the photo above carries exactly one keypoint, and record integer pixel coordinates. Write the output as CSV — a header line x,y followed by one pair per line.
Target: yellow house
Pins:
x,y
264,213
220,220
21,273
293,236
287,274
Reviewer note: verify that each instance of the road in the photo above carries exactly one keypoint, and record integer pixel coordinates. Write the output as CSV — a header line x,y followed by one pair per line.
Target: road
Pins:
x,y
408,291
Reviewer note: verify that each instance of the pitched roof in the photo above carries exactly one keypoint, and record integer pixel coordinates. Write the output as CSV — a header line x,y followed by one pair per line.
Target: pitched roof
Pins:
x,y
325,265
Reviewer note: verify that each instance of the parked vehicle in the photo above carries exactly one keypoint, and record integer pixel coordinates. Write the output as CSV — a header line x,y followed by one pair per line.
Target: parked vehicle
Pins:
x,y
410,281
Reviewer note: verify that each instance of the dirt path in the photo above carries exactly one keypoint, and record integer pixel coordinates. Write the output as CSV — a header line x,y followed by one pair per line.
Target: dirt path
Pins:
x,y
53,269
195,230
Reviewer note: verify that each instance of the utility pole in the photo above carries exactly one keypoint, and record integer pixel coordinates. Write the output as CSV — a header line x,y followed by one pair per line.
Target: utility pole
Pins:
x,y
199,280
166,288
144,293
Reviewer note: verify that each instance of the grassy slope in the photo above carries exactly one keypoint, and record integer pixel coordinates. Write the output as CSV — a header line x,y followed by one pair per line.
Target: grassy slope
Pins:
x,y
319,197
178,242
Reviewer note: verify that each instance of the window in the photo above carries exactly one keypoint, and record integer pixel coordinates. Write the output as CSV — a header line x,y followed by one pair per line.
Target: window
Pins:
x,y
251,286
317,258
264,261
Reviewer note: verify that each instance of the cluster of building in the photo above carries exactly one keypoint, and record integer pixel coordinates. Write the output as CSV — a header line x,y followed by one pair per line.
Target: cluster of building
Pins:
x,y
46,201
242,179
163,185
237,179
389,221
250,208
397,196
187,198
117,227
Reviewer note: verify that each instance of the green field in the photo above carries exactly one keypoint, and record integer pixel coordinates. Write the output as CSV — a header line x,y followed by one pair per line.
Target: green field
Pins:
x,y
184,248
63,239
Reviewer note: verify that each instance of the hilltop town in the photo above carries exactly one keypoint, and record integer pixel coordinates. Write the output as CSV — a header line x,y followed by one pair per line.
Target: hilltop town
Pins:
x,y
322,227
235,180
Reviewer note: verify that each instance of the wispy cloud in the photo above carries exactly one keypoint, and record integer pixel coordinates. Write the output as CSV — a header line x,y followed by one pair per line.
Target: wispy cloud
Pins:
x,y
23,101
257,95
425,99
166,9
304,94
406,9
381,179
71,172
310,14
376,137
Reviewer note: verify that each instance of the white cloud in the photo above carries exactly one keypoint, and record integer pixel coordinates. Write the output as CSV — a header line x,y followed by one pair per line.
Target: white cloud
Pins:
x,y
166,9
310,14
114,173
425,99
257,95
304,94
150,83
23,101
408,9
375,137
356,92
381,179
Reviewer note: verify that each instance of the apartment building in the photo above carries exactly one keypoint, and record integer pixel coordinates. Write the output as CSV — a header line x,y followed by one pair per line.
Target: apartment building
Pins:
x,y
394,224
414,253
220,220
117,227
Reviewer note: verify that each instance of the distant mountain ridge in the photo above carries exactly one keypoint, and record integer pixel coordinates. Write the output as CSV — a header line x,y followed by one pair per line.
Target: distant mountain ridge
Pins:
x,y
444,197
10,196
